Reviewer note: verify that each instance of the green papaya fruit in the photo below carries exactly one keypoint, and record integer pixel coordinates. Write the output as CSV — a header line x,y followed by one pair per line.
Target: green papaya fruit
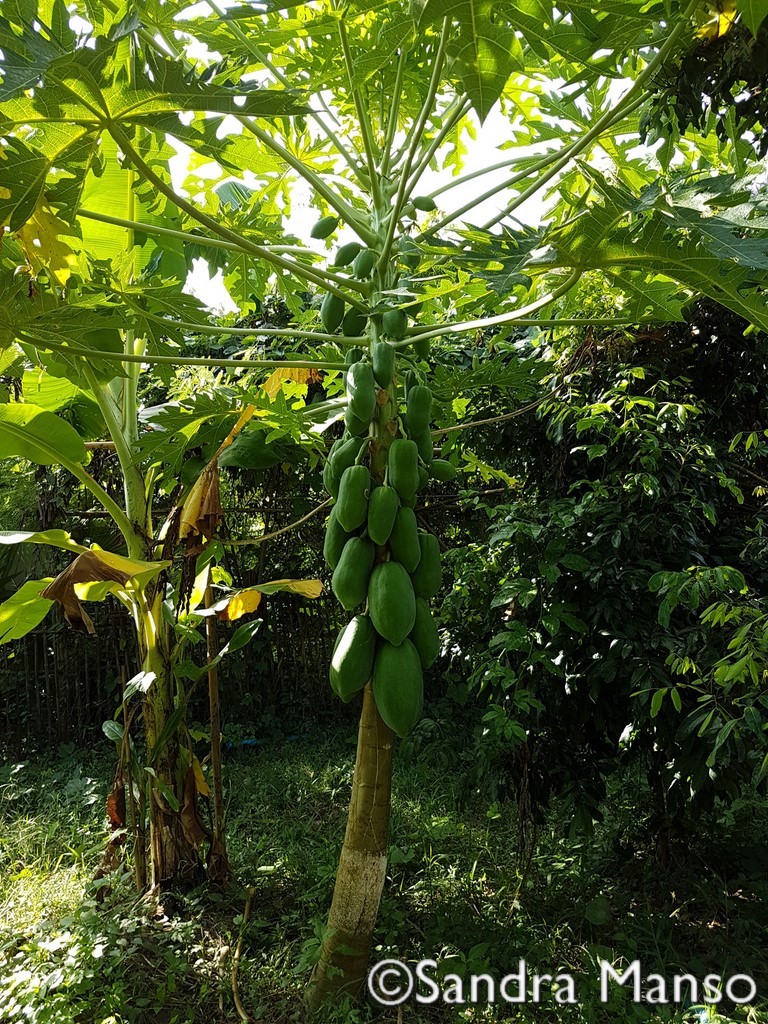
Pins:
x,y
391,602
394,323
353,572
382,509
346,454
410,380
335,540
410,254
324,227
424,203
442,470
353,354
346,253
404,540
354,424
331,312
353,324
364,263
423,442
352,660
330,480
428,573
352,503
424,635
419,408
383,359
361,390
404,467
421,347
423,478
398,686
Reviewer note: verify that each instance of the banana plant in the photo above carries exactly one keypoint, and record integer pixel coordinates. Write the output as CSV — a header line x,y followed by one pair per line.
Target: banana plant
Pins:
x,y
372,114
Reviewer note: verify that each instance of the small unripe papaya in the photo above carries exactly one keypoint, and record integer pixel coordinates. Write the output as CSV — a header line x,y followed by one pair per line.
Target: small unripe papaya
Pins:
x,y
364,263
345,254
442,470
383,359
324,227
353,324
331,312
394,323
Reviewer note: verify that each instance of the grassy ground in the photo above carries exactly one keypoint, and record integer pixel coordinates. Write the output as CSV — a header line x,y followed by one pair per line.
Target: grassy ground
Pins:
x,y
456,893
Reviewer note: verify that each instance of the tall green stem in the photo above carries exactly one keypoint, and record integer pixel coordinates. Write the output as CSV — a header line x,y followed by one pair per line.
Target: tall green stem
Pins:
x,y
415,143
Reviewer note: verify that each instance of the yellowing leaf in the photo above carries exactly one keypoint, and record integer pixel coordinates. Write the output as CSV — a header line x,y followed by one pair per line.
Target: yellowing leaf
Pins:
x,y
202,785
42,244
275,381
305,588
245,601
201,511
722,16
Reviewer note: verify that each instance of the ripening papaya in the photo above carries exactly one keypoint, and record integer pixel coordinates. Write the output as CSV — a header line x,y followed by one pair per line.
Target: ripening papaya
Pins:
x,y
382,509
404,543
398,686
331,312
424,635
383,359
391,602
335,540
353,571
428,573
404,467
352,503
352,660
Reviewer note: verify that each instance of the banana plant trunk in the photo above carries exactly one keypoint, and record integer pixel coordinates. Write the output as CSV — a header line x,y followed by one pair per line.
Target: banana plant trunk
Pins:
x,y
346,947
174,858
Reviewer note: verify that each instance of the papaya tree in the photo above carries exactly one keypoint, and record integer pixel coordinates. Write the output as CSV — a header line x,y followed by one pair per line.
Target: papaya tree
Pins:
x,y
373,112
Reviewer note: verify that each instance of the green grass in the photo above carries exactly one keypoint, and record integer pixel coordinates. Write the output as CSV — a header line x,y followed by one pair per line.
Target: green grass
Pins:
x,y
456,892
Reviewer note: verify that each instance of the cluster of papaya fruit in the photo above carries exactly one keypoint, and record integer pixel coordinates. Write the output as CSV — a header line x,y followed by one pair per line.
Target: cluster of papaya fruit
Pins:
x,y
382,562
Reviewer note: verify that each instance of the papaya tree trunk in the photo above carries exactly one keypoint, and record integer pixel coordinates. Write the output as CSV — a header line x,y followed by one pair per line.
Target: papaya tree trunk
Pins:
x,y
362,867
